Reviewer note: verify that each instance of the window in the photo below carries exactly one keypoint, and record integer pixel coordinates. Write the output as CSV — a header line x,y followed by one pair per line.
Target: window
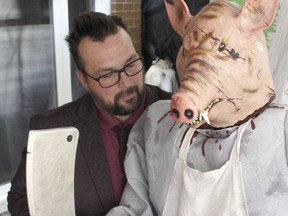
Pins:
x,y
35,70
27,78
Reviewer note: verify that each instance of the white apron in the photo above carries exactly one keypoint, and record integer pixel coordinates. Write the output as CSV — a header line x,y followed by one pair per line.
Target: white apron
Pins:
x,y
217,192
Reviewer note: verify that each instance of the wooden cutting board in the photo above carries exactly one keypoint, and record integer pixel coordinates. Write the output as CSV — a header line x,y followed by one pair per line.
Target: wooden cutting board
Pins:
x,y
50,171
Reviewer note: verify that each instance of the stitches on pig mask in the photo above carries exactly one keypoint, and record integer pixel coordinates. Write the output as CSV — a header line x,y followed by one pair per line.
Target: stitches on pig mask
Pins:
x,y
223,65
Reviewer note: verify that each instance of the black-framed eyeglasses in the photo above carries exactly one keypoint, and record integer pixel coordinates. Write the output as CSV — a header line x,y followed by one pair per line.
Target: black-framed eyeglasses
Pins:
x,y
131,69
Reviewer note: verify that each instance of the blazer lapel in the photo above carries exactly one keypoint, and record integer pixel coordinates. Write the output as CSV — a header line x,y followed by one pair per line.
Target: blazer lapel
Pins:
x,y
92,147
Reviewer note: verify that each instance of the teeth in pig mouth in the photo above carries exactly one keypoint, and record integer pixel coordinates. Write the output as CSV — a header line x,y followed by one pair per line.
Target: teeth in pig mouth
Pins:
x,y
204,114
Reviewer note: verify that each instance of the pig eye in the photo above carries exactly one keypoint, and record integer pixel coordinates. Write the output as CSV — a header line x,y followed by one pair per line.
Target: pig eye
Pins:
x,y
221,47
232,52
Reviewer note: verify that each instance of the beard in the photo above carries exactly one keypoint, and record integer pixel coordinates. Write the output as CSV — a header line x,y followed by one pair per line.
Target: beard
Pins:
x,y
116,108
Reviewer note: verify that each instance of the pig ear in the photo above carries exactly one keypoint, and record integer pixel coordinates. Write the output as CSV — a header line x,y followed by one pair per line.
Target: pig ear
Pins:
x,y
179,15
257,15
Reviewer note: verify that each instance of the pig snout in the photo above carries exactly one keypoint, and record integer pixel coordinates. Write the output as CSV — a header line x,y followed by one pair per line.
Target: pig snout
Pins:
x,y
183,109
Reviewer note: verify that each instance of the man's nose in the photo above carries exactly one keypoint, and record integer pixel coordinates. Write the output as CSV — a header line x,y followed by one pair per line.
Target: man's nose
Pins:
x,y
124,79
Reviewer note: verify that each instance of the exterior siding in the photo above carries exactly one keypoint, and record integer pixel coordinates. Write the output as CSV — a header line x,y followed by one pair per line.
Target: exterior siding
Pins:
x,y
130,11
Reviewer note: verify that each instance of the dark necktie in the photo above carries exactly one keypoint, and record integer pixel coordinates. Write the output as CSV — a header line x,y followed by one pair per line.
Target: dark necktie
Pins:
x,y
122,134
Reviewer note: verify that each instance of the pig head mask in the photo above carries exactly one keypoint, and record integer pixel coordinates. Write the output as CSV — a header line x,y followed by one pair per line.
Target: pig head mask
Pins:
x,y
223,64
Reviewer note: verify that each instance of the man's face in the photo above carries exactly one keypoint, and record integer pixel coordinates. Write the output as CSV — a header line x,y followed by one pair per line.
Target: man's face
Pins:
x,y
100,58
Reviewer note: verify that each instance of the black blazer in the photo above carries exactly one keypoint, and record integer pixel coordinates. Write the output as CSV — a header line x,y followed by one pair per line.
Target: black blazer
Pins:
x,y
93,186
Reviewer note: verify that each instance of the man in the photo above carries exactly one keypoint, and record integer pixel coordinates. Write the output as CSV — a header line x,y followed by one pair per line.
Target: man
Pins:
x,y
112,72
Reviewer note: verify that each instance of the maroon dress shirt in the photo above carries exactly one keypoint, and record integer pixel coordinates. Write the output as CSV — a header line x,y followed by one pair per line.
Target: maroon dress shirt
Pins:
x,y
107,123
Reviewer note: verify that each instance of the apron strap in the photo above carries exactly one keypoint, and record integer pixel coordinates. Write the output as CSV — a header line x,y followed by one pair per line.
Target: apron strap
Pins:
x,y
236,147
186,144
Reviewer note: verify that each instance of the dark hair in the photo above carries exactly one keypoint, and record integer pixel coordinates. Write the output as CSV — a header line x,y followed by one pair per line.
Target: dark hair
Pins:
x,y
97,26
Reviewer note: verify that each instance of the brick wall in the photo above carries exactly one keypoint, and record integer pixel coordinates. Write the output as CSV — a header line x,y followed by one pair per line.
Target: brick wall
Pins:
x,y
130,11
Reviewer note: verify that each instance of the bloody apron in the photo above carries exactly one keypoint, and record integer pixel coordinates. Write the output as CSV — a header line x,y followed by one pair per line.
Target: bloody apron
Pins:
x,y
218,192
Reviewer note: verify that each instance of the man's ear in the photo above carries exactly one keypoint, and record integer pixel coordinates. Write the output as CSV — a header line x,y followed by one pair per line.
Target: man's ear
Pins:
x,y
83,79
